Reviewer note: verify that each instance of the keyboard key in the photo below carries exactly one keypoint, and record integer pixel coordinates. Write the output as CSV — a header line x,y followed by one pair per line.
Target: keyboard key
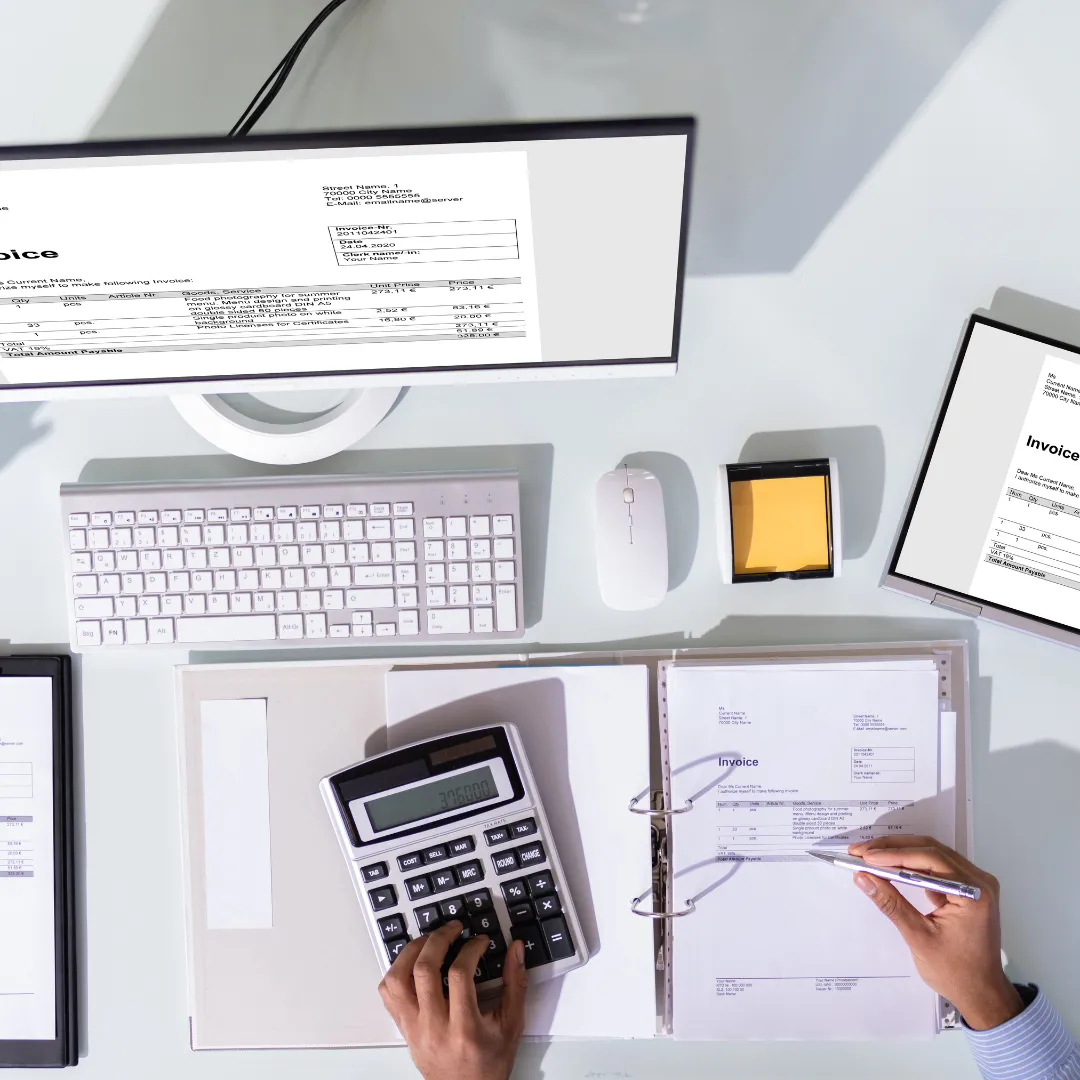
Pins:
x,y
85,584
469,873
104,518
307,512
353,530
434,854
531,854
411,861
408,623
333,510
417,887
382,897
448,621
161,631
380,509
556,938
460,847
427,918
87,632
480,549
520,913
540,884
229,628
482,594
483,622
547,906
453,908
81,561
373,575
514,891
315,625
404,529
124,517
479,526
479,902
78,521
505,608
503,525
435,574
369,598
289,626
394,947
504,547
378,530
505,571
339,630
497,836
374,871
481,571
286,513
457,549
240,513
77,539
195,515
443,880
530,934
436,596
392,926
135,631
382,553
525,827
356,510
455,526
171,517
403,509
385,629
505,862
329,531
458,595
433,527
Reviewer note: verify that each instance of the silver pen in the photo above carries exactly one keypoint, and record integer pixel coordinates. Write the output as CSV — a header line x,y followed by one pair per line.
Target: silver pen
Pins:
x,y
844,861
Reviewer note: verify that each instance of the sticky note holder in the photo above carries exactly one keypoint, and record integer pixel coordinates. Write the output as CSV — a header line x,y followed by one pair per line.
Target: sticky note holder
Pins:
x,y
779,519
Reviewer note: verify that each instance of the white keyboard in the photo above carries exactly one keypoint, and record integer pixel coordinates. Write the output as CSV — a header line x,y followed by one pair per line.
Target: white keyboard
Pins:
x,y
295,560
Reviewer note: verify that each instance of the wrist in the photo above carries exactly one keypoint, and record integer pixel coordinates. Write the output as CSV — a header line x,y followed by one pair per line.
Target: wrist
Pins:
x,y
995,1006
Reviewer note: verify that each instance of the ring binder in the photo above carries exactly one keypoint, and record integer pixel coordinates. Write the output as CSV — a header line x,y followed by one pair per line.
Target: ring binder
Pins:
x,y
688,910
633,808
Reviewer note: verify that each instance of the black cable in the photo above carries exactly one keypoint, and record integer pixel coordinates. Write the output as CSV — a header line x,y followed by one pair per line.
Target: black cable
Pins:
x,y
260,103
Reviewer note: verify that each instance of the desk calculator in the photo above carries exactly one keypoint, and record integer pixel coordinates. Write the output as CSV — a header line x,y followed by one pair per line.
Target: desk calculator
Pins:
x,y
453,828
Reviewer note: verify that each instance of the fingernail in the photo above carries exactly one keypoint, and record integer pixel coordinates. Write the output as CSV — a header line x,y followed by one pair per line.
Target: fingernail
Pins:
x,y
519,951
866,883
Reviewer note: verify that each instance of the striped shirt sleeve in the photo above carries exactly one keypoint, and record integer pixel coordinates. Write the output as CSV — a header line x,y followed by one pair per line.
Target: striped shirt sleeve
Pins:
x,y
1031,1046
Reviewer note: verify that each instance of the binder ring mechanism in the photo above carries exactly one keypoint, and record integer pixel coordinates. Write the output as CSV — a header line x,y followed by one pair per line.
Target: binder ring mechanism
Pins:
x,y
688,910
649,812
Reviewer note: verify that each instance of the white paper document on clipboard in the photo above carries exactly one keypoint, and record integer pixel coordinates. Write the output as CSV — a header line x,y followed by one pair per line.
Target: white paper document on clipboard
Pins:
x,y
804,756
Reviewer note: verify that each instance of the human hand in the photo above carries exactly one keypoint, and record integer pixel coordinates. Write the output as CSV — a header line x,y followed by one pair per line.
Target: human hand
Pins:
x,y
451,1039
957,947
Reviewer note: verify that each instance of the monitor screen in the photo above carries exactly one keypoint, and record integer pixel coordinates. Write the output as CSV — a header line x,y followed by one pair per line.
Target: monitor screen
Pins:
x,y
506,251
995,518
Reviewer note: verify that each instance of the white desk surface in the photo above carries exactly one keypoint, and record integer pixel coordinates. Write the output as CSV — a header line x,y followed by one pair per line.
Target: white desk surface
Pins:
x,y
974,186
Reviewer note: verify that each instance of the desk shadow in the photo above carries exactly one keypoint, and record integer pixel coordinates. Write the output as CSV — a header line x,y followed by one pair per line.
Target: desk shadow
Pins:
x,y
533,463
538,709
860,458
18,429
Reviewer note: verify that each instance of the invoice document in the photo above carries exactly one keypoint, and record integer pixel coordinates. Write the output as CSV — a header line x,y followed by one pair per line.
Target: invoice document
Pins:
x,y
302,261
27,903
1030,560
779,760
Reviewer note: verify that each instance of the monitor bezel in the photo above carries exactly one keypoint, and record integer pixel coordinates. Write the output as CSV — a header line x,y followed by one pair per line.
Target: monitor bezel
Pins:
x,y
369,137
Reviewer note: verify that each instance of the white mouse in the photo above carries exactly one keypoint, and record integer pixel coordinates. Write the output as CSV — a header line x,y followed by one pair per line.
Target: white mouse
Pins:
x,y
631,539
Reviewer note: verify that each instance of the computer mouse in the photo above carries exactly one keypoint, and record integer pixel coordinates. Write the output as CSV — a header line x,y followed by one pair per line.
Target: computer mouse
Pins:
x,y
631,539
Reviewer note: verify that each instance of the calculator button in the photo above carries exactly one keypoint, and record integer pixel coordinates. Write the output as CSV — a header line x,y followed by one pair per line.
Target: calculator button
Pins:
x,y
540,884
434,854
454,909
547,906
496,836
531,854
462,846
411,861
557,938
485,924
418,887
469,873
529,933
523,828
392,926
478,902
382,897
427,918
521,913
374,872
481,972
443,880
495,965
513,891
505,862
395,946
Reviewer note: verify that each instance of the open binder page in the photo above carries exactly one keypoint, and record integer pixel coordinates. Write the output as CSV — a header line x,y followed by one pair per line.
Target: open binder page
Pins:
x,y
779,759
586,735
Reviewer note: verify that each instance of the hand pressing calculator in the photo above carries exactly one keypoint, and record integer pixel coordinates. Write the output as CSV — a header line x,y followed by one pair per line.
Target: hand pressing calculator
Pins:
x,y
453,828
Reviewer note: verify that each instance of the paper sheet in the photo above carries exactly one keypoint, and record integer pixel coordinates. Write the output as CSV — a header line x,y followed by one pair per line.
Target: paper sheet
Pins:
x,y
586,734
236,815
27,926
778,762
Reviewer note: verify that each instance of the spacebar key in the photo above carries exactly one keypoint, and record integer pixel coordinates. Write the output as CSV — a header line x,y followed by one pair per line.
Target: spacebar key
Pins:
x,y
227,628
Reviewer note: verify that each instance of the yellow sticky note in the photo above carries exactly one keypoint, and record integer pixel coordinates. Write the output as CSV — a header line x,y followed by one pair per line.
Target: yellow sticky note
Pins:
x,y
780,525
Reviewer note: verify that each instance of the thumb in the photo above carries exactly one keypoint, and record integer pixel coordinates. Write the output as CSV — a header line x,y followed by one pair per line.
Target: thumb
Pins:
x,y
511,1010
911,924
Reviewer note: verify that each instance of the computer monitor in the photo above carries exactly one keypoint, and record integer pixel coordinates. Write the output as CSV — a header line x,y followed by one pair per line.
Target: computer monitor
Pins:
x,y
522,251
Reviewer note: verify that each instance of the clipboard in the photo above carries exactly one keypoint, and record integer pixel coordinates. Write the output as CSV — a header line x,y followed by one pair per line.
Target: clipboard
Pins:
x,y
31,851
300,982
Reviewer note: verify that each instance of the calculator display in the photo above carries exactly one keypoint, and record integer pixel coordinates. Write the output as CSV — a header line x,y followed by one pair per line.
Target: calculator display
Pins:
x,y
430,800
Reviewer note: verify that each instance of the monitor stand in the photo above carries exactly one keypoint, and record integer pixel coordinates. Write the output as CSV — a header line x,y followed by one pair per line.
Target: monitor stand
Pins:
x,y
310,439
